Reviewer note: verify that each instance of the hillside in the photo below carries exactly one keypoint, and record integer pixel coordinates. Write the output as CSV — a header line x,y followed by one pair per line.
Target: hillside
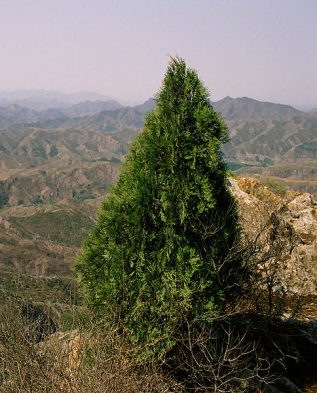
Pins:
x,y
42,242
293,138
54,173
246,109
260,130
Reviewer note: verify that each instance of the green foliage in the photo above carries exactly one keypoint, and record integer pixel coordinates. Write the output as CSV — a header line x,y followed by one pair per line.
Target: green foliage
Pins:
x,y
2,148
53,152
310,146
267,161
276,187
38,200
232,174
4,198
82,195
115,160
161,254
234,166
39,151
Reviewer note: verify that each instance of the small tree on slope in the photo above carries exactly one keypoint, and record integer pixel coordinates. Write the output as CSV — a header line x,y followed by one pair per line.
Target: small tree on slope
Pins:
x,y
161,254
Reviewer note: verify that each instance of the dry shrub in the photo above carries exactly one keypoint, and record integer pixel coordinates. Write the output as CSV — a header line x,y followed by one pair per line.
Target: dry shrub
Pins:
x,y
94,358
23,368
106,365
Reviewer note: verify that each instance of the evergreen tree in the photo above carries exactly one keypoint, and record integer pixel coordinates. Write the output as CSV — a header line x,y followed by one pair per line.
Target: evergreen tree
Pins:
x,y
160,256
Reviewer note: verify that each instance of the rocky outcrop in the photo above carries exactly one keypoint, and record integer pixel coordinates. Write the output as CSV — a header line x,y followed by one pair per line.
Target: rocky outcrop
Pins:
x,y
284,228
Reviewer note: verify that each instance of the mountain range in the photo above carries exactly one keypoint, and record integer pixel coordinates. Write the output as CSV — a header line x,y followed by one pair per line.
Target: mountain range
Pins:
x,y
58,162
261,133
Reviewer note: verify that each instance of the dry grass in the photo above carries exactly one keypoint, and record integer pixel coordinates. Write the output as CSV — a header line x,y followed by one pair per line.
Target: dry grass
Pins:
x,y
94,358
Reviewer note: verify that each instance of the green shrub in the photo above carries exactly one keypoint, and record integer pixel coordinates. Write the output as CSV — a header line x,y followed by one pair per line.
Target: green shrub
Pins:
x,y
82,195
275,186
160,257
4,198
38,200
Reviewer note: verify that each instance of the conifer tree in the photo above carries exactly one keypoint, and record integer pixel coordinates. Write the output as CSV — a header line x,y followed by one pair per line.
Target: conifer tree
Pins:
x,y
160,256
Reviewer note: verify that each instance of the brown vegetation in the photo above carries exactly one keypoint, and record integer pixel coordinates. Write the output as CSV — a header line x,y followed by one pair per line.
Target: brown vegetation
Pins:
x,y
93,360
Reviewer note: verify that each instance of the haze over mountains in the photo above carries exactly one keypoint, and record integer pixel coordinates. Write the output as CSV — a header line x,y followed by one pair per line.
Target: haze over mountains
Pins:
x,y
43,99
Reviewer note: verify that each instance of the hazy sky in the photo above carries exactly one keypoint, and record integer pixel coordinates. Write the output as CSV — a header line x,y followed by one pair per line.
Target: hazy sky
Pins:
x,y
263,49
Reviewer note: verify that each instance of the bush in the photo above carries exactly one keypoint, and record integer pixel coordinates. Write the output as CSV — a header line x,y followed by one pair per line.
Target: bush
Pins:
x,y
4,198
276,187
163,252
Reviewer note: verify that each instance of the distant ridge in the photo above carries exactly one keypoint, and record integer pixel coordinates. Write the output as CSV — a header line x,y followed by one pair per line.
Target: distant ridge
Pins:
x,y
146,106
44,99
15,113
91,108
248,108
